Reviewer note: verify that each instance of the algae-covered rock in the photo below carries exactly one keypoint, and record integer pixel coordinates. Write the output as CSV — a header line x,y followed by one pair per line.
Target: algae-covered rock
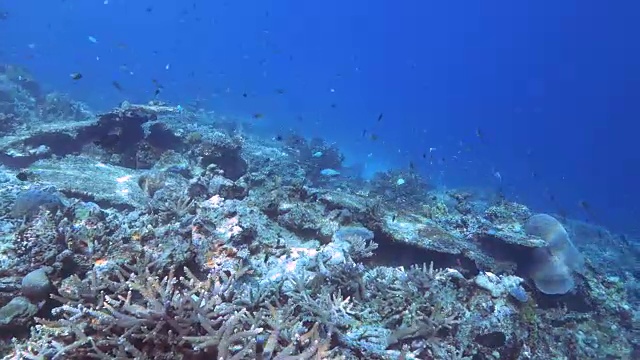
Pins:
x,y
17,313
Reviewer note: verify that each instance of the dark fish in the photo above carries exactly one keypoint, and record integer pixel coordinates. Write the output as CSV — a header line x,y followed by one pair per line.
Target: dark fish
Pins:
x,y
479,134
116,85
156,92
374,137
333,106
424,155
393,218
149,9
278,138
625,239
585,205
244,95
364,132
258,116
76,76
380,117
412,166
587,209
279,91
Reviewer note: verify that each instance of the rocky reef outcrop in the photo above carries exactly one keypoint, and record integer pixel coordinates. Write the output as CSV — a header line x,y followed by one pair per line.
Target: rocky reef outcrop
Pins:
x,y
153,232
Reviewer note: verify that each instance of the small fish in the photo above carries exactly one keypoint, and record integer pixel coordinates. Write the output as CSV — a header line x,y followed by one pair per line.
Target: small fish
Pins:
x,y
4,15
411,166
279,91
364,132
329,172
317,154
380,117
479,134
374,137
92,39
278,138
333,106
76,76
258,116
244,95
116,85
393,218
585,205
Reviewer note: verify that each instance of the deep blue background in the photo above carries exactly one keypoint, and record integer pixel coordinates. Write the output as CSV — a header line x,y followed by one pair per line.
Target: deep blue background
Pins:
x,y
552,85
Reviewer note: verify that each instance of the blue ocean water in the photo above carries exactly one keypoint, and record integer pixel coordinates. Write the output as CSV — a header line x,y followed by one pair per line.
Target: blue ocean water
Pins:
x,y
538,99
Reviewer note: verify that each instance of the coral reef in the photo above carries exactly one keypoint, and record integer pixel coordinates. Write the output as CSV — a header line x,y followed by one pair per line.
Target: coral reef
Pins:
x,y
148,233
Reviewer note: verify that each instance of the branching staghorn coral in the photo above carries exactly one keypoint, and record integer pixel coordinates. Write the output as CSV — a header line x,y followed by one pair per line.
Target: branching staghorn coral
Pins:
x,y
137,313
